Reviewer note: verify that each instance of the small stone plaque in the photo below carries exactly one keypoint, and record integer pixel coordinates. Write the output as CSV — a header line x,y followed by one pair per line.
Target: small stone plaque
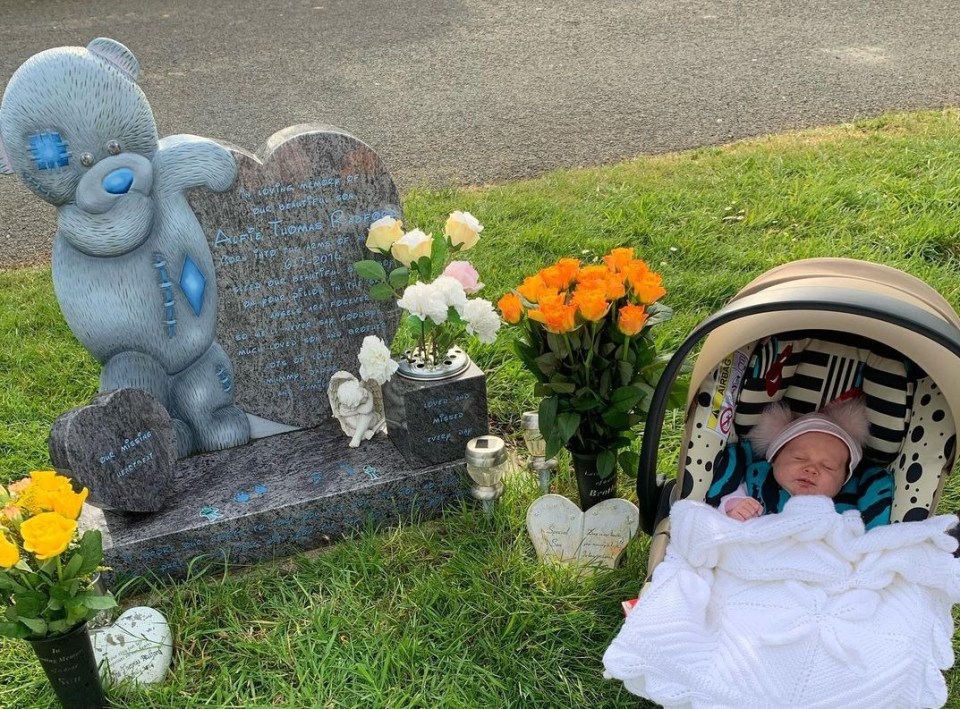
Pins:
x,y
562,533
137,648
430,422
121,447
292,310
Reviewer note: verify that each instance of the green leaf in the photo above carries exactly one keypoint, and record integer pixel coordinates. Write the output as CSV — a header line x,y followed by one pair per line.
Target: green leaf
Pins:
x,y
547,363
96,601
677,398
561,387
606,463
91,548
625,398
399,277
29,603
616,419
381,291
657,313
13,630
567,425
548,424
425,268
34,625
629,463
439,253
72,567
371,270
626,372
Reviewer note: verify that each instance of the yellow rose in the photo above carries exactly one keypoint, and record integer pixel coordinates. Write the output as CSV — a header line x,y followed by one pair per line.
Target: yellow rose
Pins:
x,y
68,502
463,229
412,246
47,534
9,554
383,233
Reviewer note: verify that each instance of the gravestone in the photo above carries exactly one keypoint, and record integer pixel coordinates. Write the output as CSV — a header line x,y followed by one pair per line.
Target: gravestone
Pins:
x,y
284,239
121,448
292,312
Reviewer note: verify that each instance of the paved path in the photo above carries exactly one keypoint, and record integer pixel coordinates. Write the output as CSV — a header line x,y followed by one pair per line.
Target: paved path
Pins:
x,y
477,91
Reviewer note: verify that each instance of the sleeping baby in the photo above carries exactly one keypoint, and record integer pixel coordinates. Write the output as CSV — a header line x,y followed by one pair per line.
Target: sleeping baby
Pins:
x,y
815,454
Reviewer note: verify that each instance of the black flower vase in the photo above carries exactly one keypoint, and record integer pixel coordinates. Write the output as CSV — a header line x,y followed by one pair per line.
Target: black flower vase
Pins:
x,y
71,668
592,487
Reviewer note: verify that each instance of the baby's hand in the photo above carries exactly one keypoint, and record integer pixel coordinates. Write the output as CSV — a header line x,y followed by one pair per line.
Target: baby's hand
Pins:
x,y
745,509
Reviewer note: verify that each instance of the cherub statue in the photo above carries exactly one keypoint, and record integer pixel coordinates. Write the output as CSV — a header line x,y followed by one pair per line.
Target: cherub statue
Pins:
x,y
358,406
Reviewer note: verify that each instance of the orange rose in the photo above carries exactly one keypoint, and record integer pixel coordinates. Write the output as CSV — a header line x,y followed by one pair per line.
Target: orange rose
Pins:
x,y
532,287
618,258
614,286
592,302
635,271
555,315
560,275
511,308
593,274
650,289
631,319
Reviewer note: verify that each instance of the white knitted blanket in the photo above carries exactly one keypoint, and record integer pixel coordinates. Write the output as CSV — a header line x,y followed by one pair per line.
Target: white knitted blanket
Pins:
x,y
799,609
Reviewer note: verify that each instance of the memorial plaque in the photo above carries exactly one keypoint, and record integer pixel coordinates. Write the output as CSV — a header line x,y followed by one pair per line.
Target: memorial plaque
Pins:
x,y
292,310
137,648
561,533
121,448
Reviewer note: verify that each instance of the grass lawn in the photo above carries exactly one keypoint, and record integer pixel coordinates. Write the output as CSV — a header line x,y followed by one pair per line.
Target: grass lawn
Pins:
x,y
456,612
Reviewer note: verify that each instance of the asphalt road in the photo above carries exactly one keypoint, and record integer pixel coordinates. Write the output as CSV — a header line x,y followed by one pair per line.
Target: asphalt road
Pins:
x,y
478,91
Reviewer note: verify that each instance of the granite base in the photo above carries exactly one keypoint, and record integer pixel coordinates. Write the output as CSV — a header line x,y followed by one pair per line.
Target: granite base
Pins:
x,y
271,498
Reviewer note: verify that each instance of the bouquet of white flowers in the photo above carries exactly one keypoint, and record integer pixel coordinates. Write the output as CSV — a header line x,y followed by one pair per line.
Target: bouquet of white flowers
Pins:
x,y
434,293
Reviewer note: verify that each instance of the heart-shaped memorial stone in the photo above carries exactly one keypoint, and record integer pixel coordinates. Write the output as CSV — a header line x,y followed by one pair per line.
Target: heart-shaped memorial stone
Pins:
x,y
292,311
138,647
121,447
562,533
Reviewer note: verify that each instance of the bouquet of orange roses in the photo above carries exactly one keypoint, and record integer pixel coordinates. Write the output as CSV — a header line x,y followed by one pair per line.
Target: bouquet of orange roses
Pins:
x,y
46,569
586,337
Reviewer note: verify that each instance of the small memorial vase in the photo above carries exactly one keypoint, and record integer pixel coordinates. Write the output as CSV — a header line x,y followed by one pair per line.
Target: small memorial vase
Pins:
x,y
433,408
71,668
591,486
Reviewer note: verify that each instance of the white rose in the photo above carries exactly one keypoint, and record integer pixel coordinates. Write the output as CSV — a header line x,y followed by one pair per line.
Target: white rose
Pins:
x,y
383,233
463,229
411,247
425,301
453,292
482,320
375,360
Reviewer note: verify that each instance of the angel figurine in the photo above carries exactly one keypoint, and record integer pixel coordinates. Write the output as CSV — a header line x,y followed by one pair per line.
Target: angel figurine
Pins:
x,y
358,406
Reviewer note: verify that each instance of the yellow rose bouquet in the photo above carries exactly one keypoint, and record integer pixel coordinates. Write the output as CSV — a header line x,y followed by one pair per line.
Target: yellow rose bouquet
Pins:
x,y
586,337
46,568
435,294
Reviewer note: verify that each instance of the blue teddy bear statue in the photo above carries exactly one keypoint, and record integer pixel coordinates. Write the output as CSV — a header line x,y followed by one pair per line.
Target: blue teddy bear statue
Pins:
x,y
132,270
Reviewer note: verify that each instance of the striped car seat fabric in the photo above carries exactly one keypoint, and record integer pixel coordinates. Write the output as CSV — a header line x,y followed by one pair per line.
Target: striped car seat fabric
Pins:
x,y
911,428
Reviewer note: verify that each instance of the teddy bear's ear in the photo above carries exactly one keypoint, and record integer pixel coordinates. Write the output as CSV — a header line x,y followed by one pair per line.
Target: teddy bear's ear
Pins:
x,y
6,166
110,50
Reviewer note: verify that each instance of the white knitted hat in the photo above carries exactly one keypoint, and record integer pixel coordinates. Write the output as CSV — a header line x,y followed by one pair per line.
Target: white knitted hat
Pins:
x,y
846,420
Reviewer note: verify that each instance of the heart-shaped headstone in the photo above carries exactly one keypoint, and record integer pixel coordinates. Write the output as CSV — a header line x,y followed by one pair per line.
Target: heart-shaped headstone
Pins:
x,y
562,533
292,311
138,647
121,447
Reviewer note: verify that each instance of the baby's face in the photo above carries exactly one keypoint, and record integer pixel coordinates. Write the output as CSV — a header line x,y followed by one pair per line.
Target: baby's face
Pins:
x,y
812,464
